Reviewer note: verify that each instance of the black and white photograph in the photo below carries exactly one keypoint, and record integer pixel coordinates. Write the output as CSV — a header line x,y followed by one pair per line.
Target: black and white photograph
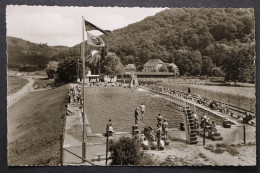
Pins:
x,y
130,86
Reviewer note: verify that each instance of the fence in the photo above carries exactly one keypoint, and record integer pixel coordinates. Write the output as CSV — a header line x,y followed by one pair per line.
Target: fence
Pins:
x,y
239,101
12,99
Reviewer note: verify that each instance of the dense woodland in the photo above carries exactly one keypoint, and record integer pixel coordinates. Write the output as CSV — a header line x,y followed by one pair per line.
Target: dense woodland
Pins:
x,y
211,42
199,41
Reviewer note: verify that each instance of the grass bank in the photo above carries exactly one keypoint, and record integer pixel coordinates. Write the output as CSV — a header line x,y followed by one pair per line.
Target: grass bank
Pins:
x,y
15,83
34,128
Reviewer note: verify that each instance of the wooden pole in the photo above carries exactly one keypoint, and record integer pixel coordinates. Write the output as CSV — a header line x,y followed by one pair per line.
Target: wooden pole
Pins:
x,y
204,135
107,147
244,127
83,92
78,71
61,150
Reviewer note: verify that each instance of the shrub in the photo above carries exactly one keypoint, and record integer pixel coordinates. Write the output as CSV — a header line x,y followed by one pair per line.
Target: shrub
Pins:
x,y
126,151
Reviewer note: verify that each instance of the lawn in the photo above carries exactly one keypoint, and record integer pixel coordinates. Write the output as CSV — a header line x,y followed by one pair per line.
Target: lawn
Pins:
x,y
14,83
34,128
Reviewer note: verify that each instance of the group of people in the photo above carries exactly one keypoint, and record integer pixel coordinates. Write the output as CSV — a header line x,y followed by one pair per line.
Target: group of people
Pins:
x,y
161,135
138,113
153,146
74,95
222,107
162,131
208,124
247,118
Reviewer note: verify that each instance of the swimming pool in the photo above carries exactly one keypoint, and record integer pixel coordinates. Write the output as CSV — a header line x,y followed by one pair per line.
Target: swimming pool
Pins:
x,y
118,104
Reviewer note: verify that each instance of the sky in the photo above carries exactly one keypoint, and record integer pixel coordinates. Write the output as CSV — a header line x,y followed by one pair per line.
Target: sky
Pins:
x,y
63,25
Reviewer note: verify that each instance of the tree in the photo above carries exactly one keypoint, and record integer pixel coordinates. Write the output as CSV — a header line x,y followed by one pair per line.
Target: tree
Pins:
x,y
216,72
241,58
206,66
51,69
126,151
67,70
163,68
112,65
177,35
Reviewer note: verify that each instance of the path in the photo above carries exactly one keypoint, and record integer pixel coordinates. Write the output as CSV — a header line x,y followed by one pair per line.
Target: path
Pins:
x,y
13,98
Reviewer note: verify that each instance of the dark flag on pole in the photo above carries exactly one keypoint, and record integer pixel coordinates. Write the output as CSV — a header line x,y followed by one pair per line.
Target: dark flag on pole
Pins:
x,y
89,26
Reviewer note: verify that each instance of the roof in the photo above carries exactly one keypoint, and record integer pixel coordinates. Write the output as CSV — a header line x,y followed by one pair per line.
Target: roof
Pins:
x,y
155,73
153,62
130,67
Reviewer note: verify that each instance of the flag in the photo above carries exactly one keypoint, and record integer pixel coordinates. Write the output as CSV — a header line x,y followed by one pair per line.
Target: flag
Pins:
x,y
89,26
95,40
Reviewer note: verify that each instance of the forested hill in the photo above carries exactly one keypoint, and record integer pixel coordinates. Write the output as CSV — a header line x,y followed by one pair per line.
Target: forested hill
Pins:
x,y
197,40
28,56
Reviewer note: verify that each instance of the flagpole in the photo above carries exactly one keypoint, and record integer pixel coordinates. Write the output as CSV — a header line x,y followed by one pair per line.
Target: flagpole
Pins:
x,y
83,91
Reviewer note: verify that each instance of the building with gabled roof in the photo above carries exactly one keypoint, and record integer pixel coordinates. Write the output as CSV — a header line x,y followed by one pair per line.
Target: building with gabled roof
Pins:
x,y
153,65
130,68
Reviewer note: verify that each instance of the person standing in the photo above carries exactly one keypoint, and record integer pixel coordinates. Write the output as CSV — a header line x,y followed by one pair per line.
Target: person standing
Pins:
x,y
158,132
159,119
196,120
165,129
110,130
109,123
142,111
136,116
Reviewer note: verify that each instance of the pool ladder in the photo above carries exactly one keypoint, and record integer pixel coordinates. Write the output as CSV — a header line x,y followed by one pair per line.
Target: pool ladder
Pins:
x,y
190,127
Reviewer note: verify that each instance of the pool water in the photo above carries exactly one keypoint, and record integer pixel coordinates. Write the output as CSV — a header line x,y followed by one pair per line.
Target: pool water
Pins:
x,y
119,104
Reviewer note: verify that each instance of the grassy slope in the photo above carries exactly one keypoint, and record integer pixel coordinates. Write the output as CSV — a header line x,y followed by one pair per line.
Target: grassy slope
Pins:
x,y
34,128
15,83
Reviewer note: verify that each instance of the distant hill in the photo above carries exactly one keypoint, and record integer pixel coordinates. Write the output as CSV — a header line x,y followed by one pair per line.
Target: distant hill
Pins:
x,y
195,39
200,41
24,54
